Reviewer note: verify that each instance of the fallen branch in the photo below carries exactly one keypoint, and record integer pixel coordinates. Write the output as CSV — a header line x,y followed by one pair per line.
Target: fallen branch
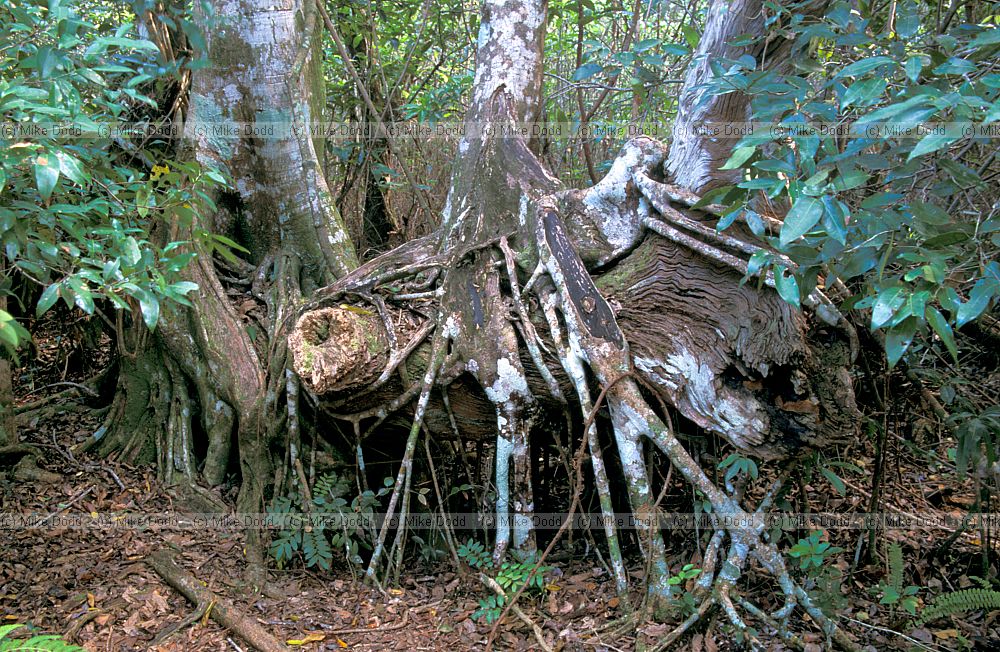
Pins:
x,y
224,613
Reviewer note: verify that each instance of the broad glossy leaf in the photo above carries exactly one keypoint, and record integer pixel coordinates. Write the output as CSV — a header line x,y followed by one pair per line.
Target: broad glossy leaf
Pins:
x,y
150,307
899,339
859,68
943,330
739,156
805,214
932,143
48,299
71,168
989,36
979,299
886,304
787,286
46,174
587,71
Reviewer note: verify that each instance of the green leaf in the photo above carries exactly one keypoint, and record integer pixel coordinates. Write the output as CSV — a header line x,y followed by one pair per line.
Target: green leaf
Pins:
x,y
46,174
913,67
132,253
988,37
587,71
864,92
898,340
787,286
979,299
834,479
943,330
955,66
932,143
893,110
646,44
804,215
886,305
859,68
183,287
908,20
72,169
82,297
48,299
946,239
691,35
739,156
929,213
150,307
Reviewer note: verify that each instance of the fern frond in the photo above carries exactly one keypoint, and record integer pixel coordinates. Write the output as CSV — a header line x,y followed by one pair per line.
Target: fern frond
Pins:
x,y
46,643
962,601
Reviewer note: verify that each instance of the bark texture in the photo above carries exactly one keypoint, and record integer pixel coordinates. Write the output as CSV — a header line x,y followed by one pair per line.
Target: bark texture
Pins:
x,y
205,395
733,358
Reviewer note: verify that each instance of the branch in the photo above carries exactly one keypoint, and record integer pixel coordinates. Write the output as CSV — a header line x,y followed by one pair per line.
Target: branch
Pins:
x,y
490,582
342,49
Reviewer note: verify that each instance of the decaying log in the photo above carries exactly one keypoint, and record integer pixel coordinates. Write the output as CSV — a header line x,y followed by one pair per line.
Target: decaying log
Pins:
x,y
732,358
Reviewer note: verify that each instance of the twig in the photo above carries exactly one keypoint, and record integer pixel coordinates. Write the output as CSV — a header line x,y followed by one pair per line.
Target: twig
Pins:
x,y
886,630
490,582
366,630
80,496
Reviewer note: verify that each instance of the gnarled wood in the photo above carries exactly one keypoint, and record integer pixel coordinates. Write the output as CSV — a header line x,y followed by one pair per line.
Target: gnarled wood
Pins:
x,y
733,358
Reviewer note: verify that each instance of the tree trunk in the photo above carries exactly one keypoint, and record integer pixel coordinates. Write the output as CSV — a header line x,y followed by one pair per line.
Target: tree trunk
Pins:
x,y
208,388
696,155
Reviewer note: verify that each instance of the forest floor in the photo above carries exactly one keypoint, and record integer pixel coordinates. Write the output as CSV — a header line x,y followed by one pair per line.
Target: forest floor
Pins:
x,y
93,585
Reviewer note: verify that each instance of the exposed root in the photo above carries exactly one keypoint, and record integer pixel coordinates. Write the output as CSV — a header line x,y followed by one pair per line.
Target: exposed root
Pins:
x,y
483,320
656,193
223,612
592,326
199,612
27,471
574,367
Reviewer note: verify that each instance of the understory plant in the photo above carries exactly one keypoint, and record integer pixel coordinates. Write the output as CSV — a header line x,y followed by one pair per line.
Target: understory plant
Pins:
x,y
511,575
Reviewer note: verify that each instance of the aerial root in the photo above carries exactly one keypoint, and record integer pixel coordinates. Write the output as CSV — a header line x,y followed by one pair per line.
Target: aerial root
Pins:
x,y
531,339
573,365
605,350
222,610
401,486
718,590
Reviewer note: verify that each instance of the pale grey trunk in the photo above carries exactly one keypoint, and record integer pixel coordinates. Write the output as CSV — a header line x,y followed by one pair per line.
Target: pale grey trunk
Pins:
x,y
494,178
266,77
263,79
695,158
